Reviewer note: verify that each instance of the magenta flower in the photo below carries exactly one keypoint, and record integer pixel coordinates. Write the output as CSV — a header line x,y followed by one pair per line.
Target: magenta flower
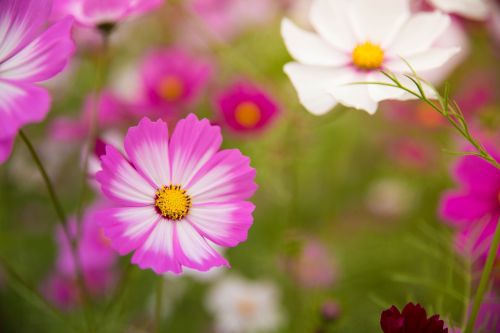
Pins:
x,y
172,79
174,198
28,55
474,207
413,319
245,108
96,259
102,14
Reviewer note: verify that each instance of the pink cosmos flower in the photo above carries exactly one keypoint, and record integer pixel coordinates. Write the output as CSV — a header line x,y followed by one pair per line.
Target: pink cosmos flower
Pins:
x,y
28,55
172,79
96,259
174,198
475,206
104,14
246,108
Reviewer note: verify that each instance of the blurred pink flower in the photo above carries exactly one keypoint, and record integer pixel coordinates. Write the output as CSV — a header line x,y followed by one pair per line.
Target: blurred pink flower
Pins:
x,y
474,208
96,259
28,54
174,197
476,92
411,153
111,112
315,267
171,79
228,18
102,13
245,108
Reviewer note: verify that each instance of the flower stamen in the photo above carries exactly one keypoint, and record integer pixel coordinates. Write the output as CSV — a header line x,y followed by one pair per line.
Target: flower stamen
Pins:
x,y
247,114
172,202
368,56
171,88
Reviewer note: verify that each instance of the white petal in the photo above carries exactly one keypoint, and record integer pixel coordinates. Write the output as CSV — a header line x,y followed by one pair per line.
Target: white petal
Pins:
x,y
378,21
309,48
418,34
423,61
348,92
311,84
331,20
474,9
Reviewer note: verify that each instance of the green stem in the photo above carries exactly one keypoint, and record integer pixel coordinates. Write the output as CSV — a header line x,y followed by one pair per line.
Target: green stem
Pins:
x,y
61,218
93,127
485,278
34,296
159,304
48,183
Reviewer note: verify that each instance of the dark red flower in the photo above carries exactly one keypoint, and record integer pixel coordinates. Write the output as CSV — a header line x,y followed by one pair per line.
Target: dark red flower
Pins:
x,y
413,319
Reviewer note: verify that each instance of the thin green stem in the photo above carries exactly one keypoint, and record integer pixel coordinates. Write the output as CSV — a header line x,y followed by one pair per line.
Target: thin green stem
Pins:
x,y
93,127
61,218
485,279
159,304
48,183
34,296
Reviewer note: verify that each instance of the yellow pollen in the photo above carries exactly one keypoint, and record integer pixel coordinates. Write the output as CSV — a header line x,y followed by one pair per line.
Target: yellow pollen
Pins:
x,y
247,114
171,88
368,56
246,308
172,202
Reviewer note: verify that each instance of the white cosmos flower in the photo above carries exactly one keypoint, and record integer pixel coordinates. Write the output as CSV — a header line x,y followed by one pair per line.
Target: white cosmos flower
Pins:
x,y
242,306
472,9
355,39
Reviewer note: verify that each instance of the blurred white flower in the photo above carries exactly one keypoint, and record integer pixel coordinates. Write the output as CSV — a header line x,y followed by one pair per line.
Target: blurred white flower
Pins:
x,y
355,39
472,9
242,306
389,198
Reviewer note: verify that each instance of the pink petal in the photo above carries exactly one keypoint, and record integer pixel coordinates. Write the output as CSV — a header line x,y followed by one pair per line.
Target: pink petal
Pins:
x,y
225,224
193,143
20,22
20,104
122,183
478,176
128,227
157,251
44,57
462,208
147,147
193,251
226,177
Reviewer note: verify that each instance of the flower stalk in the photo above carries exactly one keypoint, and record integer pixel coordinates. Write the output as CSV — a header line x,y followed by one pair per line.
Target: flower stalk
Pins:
x,y
485,280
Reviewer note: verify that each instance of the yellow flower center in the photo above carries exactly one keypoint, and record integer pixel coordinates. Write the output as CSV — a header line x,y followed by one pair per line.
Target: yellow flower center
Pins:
x,y
247,114
171,88
368,56
173,202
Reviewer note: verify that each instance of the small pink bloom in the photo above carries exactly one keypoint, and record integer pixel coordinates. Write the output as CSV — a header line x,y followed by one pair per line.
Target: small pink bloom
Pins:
x,y
94,248
245,108
172,79
315,267
228,18
474,208
28,55
96,259
175,197
101,13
